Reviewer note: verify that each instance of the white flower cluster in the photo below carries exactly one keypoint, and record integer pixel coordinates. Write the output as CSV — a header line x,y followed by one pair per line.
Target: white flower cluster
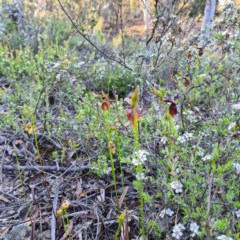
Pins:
x,y
177,186
140,176
224,237
79,64
194,229
203,133
177,231
177,127
164,212
58,76
190,116
238,213
207,157
185,137
237,166
140,157
200,152
164,140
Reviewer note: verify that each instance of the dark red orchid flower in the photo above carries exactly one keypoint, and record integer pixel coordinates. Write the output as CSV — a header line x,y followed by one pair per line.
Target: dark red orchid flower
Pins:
x,y
130,115
173,107
200,52
189,55
105,105
186,82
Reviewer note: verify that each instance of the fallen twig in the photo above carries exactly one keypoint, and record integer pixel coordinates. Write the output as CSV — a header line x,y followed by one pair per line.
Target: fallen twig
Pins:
x,y
54,211
14,167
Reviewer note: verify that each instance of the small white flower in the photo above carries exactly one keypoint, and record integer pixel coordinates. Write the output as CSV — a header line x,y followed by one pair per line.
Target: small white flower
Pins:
x,y
224,237
231,126
178,171
140,157
182,139
135,161
177,127
177,186
181,226
162,213
164,139
194,229
177,234
189,135
168,212
237,166
108,170
177,231
58,76
79,64
185,137
207,157
200,152
238,213
140,176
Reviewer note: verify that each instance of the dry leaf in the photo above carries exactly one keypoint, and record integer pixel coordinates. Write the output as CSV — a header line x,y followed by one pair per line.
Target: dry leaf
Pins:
x,y
2,198
123,196
125,230
101,197
112,147
79,189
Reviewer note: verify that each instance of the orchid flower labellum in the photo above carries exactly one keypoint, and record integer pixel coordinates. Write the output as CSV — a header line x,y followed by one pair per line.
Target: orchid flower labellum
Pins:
x,y
130,115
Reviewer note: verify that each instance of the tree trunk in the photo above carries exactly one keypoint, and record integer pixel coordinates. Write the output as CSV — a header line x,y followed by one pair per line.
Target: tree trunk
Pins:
x,y
146,15
208,14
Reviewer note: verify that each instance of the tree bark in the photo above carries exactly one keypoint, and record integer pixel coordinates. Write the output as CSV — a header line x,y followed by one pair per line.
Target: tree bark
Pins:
x,y
146,15
209,13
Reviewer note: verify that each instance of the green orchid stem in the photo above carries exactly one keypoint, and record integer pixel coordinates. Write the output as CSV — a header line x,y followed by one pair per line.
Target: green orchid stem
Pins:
x,y
118,229
169,149
21,179
136,146
141,205
120,160
65,220
106,118
135,129
64,224
36,141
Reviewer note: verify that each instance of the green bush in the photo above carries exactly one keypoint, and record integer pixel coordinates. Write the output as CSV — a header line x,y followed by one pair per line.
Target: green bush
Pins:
x,y
110,77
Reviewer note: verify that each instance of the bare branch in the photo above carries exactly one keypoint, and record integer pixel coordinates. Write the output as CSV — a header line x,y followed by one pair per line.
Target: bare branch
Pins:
x,y
91,43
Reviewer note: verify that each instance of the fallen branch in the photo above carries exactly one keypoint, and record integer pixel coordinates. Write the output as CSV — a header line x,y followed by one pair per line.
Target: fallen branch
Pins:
x,y
14,167
54,213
